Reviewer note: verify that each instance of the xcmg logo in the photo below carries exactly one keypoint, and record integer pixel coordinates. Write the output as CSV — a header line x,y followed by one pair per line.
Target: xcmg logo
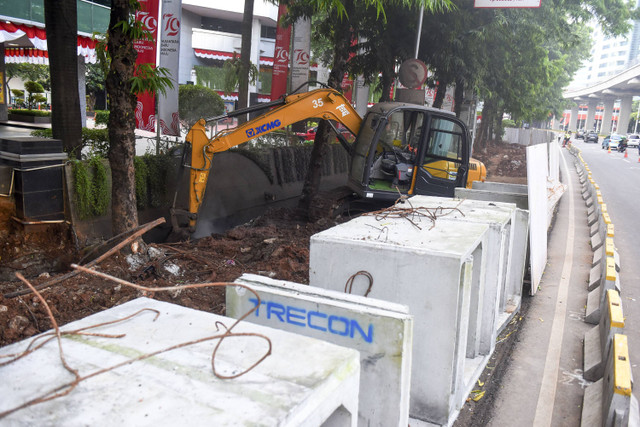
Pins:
x,y
251,133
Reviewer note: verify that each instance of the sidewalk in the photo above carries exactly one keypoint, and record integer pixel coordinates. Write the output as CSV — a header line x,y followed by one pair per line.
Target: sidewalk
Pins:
x,y
542,384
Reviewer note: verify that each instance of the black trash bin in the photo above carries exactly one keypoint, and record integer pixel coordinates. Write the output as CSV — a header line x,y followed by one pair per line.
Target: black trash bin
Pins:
x,y
37,176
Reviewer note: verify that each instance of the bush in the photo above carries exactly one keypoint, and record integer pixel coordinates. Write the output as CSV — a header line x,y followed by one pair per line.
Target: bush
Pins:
x,y
102,117
508,123
196,102
91,187
26,112
97,140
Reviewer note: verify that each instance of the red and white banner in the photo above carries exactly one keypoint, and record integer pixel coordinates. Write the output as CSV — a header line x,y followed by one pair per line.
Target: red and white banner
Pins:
x,y
301,55
281,57
168,116
145,108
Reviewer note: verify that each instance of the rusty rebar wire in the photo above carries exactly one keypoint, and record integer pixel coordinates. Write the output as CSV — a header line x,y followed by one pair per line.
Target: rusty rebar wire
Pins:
x,y
348,287
68,387
413,214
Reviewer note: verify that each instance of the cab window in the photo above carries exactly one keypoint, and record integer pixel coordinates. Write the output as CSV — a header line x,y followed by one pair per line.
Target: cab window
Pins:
x,y
443,155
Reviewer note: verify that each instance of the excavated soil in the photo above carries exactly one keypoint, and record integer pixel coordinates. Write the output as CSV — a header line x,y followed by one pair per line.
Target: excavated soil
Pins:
x,y
274,245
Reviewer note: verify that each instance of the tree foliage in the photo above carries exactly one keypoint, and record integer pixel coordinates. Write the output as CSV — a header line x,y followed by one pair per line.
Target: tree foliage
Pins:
x,y
197,102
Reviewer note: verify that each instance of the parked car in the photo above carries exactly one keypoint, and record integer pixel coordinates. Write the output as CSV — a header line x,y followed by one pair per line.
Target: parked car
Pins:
x,y
580,134
591,136
633,140
611,141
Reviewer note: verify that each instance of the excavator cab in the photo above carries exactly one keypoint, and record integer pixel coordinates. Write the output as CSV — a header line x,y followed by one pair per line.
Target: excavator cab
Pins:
x,y
405,149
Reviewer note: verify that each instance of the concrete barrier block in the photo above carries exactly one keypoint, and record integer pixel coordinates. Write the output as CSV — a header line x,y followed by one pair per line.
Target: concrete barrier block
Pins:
x,y
609,401
598,340
595,228
610,230
592,219
432,268
596,298
304,381
616,391
595,276
598,256
589,202
521,200
500,187
596,241
380,331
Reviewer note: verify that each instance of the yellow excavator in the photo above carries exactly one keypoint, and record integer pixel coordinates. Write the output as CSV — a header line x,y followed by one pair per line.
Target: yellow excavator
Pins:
x,y
399,148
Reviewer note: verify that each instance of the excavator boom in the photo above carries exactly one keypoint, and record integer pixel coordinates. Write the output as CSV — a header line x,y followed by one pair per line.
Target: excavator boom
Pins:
x,y
327,104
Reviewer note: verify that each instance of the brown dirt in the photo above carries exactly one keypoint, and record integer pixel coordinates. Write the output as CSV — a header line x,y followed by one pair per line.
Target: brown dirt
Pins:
x,y
275,245
505,162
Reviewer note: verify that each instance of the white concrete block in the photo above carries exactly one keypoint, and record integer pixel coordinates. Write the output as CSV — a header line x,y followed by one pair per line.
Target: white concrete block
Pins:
x,y
304,381
430,269
505,256
381,331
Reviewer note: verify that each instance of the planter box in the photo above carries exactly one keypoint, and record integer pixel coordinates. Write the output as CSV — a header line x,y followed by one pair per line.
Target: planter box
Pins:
x,y
29,119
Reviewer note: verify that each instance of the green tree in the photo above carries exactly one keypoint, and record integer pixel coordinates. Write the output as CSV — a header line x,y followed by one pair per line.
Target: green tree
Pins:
x,y
33,89
95,83
346,23
34,72
197,102
124,80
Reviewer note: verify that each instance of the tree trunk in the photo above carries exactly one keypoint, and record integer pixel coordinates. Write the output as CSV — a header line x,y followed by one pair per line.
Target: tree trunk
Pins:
x,y
387,80
483,131
458,97
440,93
245,58
62,36
122,123
342,43
498,124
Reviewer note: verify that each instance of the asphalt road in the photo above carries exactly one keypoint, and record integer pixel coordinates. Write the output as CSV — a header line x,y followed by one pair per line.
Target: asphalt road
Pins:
x,y
619,181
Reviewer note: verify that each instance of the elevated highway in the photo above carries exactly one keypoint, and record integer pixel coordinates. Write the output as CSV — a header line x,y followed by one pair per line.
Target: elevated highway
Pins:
x,y
622,87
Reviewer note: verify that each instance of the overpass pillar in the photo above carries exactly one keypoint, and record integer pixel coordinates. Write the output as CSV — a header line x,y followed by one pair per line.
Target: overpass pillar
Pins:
x,y
591,114
625,114
606,116
573,121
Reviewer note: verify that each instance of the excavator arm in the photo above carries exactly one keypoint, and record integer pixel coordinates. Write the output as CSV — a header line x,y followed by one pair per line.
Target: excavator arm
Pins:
x,y
327,104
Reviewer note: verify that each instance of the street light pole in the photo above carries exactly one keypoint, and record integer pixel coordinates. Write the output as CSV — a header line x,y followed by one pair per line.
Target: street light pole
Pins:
x,y
419,31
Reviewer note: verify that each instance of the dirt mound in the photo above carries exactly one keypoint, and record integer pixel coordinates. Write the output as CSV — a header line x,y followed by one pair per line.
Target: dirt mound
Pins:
x,y
275,245
505,162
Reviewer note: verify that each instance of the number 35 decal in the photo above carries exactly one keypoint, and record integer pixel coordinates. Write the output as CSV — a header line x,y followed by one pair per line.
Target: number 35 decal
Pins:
x,y
317,103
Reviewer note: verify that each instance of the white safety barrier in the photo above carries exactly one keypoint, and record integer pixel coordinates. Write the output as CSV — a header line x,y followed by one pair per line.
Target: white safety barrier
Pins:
x,y
437,270
303,381
381,331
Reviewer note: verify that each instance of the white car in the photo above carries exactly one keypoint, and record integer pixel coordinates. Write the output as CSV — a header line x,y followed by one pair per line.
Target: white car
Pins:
x,y
633,140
